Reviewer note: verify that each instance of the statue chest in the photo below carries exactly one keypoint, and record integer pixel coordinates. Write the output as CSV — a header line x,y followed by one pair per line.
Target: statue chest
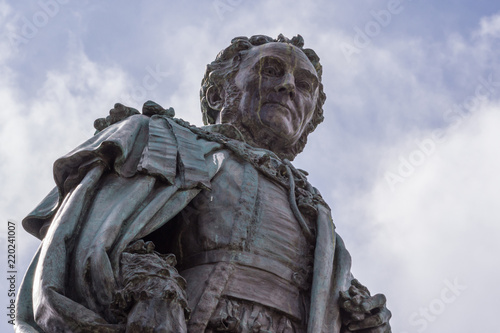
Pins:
x,y
246,222
244,211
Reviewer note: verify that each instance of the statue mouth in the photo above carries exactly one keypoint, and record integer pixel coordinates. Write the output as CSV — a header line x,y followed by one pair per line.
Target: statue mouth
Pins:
x,y
280,104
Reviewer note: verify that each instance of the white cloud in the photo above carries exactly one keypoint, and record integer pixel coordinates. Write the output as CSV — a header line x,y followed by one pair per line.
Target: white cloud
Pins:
x,y
490,26
36,130
440,224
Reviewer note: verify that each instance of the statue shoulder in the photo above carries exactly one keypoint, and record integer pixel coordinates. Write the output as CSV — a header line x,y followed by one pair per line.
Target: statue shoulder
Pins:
x,y
158,122
121,112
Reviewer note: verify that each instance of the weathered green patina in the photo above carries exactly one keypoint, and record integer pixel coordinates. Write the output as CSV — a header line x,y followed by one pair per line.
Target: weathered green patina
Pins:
x,y
159,226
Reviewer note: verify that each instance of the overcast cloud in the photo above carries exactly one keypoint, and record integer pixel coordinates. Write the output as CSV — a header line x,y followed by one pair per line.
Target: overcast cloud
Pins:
x,y
408,156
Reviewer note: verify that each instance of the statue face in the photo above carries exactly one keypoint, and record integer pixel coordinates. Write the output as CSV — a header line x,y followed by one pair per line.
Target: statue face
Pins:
x,y
278,89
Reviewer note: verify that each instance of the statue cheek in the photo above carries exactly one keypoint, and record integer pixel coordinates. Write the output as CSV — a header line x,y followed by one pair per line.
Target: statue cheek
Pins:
x,y
304,109
309,108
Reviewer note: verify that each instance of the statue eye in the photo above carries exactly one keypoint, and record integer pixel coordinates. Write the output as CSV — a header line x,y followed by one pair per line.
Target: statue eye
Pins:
x,y
304,85
271,67
271,71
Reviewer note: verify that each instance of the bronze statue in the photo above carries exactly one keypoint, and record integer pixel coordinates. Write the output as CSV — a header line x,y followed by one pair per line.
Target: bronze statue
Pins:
x,y
159,226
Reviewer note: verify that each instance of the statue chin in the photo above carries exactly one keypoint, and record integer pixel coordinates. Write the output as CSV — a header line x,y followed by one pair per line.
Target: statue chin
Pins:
x,y
280,135
278,141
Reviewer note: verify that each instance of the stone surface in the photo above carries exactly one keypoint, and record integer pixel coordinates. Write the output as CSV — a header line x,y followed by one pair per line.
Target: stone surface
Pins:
x,y
159,226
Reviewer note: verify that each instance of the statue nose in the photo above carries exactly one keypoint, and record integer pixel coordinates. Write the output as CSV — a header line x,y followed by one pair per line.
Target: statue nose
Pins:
x,y
286,86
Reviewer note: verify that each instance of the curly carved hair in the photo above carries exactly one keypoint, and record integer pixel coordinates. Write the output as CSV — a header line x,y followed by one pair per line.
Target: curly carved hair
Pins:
x,y
225,67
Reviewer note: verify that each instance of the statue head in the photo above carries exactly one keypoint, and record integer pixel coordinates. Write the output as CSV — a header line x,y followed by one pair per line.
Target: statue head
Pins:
x,y
270,89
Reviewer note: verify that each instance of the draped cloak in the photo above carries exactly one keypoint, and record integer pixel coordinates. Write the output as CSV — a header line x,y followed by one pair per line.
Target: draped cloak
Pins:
x,y
144,170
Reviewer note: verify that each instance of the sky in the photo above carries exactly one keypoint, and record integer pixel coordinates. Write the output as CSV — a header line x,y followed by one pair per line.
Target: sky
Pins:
x,y
407,157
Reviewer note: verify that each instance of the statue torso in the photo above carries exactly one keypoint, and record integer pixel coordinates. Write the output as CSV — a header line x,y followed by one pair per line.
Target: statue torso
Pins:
x,y
245,221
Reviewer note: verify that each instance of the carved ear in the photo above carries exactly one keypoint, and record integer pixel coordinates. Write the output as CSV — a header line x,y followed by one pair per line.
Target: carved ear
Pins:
x,y
214,98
